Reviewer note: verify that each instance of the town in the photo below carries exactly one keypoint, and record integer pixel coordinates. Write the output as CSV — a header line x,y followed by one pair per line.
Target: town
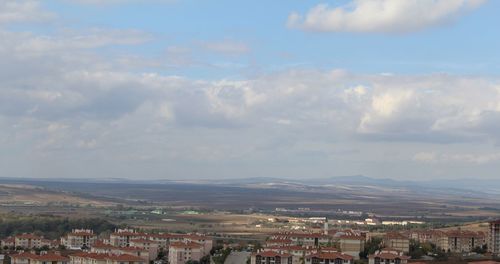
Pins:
x,y
319,244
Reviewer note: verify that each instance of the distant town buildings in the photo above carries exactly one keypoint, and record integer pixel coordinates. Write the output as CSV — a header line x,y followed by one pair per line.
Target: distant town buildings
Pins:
x,y
124,246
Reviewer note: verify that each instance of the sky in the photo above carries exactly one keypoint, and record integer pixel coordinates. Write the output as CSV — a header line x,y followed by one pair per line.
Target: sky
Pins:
x,y
191,89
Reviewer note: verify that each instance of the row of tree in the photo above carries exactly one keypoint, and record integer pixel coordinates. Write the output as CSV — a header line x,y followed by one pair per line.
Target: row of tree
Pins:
x,y
49,226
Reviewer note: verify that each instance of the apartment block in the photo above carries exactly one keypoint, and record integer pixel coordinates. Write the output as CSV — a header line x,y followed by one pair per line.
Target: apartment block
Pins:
x,y
271,257
182,252
43,258
388,256
329,258
79,239
397,241
494,237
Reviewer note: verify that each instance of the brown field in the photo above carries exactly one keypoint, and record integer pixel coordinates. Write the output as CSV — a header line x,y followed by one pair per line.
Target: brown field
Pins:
x,y
18,194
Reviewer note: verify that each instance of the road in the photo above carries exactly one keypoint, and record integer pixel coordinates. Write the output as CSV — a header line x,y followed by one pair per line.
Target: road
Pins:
x,y
237,258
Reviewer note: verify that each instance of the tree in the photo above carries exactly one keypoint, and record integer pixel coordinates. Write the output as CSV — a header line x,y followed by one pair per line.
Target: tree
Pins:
x,y
370,247
205,260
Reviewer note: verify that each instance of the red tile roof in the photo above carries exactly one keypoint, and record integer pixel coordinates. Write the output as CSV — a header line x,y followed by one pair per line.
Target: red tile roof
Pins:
x,y
100,256
28,236
268,254
185,245
82,233
330,255
395,235
44,257
386,255
125,257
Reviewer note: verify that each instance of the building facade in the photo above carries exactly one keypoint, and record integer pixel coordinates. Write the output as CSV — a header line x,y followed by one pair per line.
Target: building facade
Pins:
x,y
79,239
271,257
494,237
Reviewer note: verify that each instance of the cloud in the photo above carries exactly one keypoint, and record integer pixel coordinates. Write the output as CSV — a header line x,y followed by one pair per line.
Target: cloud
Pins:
x,y
115,2
382,16
228,47
440,158
15,11
64,104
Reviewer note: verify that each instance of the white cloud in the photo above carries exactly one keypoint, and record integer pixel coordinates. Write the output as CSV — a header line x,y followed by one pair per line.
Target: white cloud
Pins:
x,y
389,16
443,158
63,100
114,2
229,47
14,11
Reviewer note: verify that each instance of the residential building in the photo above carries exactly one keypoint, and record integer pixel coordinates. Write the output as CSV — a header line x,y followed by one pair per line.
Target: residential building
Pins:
x,y
88,258
436,237
143,253
271,257
299,252
388,256
494,237
182,252
43,258
79,239
279,242
125,259
397,241
99,258
146,244
460,241
206,242
329,258
122,237
164,239
352,244
9,242
305,239
29,241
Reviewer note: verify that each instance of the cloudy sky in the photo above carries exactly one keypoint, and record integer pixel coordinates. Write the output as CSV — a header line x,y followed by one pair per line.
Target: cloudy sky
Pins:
x,y
184,89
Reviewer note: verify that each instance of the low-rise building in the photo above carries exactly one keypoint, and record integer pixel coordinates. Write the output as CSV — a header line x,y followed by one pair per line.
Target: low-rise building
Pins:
x,y
299,252
388,256
43,258
29,241
143,253
271,257
329,258
9,242
303,239
100,258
